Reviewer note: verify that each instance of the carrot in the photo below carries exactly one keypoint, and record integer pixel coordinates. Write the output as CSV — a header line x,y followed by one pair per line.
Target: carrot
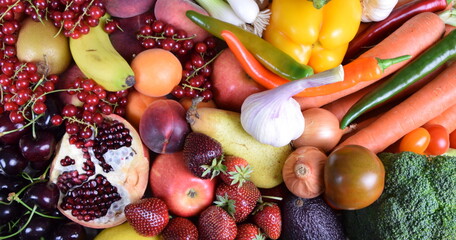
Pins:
x,y
341,106
446,119
422,106
412,38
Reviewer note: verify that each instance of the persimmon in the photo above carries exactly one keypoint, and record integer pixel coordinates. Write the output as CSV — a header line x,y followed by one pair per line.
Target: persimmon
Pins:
x,y
157,72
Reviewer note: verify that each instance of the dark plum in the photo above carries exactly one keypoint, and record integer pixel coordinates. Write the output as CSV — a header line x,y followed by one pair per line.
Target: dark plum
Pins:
x,y
6,125
11,160
125,41
44,194
38,147
127,8
69,231
38,228
8,212
163,126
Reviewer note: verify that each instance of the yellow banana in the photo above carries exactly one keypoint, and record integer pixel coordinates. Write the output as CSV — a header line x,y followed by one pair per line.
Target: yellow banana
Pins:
x,y
97,58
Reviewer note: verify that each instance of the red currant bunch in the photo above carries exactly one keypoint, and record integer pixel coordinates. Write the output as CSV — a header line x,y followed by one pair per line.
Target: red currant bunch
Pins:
x,y
24,91
196,57
73,17
81,120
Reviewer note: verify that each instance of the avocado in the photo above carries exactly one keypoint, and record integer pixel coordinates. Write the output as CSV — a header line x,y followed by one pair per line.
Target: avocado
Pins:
x,y
309,219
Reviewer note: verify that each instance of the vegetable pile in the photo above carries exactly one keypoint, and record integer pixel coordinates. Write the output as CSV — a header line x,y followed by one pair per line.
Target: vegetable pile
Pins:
x,y
419,200
227,119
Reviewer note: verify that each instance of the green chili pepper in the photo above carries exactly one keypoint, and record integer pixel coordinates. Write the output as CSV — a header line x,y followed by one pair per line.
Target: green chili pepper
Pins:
x,y
428,61
270,56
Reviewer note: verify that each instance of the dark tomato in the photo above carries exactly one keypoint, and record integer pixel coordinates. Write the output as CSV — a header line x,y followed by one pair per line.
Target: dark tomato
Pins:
x,y
354,177
415,141
440,139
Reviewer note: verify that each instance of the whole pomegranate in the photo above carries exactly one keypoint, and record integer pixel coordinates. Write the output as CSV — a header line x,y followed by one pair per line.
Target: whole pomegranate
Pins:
x,y
98,179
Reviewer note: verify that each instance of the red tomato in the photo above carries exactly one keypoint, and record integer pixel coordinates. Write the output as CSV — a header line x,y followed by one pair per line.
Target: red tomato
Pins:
x,y
453,139
415,141
440,139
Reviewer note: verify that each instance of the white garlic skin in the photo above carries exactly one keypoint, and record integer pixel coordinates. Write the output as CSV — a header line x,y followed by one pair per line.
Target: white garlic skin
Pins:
x,y
376,10
272,121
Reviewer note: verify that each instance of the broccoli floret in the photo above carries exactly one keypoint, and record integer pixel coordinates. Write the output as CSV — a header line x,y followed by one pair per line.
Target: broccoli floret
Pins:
x,y
418,202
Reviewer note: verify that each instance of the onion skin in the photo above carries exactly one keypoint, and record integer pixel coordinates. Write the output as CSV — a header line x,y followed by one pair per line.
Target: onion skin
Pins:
x,y
321,130
303,172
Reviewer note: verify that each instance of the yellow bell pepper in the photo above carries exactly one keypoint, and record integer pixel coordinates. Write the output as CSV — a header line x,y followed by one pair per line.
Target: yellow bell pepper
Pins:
x,y
316,37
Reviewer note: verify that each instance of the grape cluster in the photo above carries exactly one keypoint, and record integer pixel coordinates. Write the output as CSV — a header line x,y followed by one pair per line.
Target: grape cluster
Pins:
x,y
196,57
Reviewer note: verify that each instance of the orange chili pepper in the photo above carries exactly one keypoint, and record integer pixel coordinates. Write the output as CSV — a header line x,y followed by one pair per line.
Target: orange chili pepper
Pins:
x,y
361,69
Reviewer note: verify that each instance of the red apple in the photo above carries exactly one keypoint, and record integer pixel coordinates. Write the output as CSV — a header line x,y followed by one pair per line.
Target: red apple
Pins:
x,y
231,84
185,194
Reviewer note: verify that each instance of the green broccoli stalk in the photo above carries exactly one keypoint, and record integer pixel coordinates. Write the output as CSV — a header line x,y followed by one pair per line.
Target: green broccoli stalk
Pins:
x,y
418,202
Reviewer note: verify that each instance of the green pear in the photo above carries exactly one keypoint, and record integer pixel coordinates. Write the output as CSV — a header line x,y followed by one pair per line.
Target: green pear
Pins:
x,y
225,126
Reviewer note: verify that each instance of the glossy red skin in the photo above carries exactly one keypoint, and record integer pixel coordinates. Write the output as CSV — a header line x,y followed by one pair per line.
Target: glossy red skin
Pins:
x,y
415,141
453,139
231,84
163,126
185,194
354,178
440,139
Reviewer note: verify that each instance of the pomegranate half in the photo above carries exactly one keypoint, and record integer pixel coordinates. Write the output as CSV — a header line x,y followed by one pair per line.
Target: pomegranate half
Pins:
x,y
97,180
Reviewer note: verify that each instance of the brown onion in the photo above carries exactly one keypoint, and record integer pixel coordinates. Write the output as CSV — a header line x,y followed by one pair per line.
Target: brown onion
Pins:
x,y
303,172
321,130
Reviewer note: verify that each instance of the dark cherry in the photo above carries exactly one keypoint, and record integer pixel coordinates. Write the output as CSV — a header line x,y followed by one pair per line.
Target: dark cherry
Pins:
x,y
8,212
7,125
69,231
38,228
44,194
38,148
11,160
11,183
54,107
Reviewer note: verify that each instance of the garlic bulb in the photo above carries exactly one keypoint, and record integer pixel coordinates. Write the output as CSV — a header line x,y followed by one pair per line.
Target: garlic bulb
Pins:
x,y
376,10
274,117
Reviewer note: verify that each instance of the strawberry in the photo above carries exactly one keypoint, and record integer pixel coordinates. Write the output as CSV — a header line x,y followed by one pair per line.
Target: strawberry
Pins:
x,y
203,155
238,200
249,231
148,216
237,170
214,223
268,217
180,228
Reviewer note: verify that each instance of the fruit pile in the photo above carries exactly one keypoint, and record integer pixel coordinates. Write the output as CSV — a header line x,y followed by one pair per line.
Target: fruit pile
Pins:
x,y
122,119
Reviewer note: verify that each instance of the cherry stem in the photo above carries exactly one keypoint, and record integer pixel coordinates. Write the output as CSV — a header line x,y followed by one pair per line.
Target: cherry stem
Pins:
x,y
23,227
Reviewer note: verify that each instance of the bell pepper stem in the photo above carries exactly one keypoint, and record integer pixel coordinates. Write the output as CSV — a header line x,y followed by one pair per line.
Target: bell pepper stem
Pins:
x,y
385,63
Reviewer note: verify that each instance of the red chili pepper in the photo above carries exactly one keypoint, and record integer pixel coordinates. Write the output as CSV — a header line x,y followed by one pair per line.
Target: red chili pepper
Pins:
x,y
362,69
379,30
